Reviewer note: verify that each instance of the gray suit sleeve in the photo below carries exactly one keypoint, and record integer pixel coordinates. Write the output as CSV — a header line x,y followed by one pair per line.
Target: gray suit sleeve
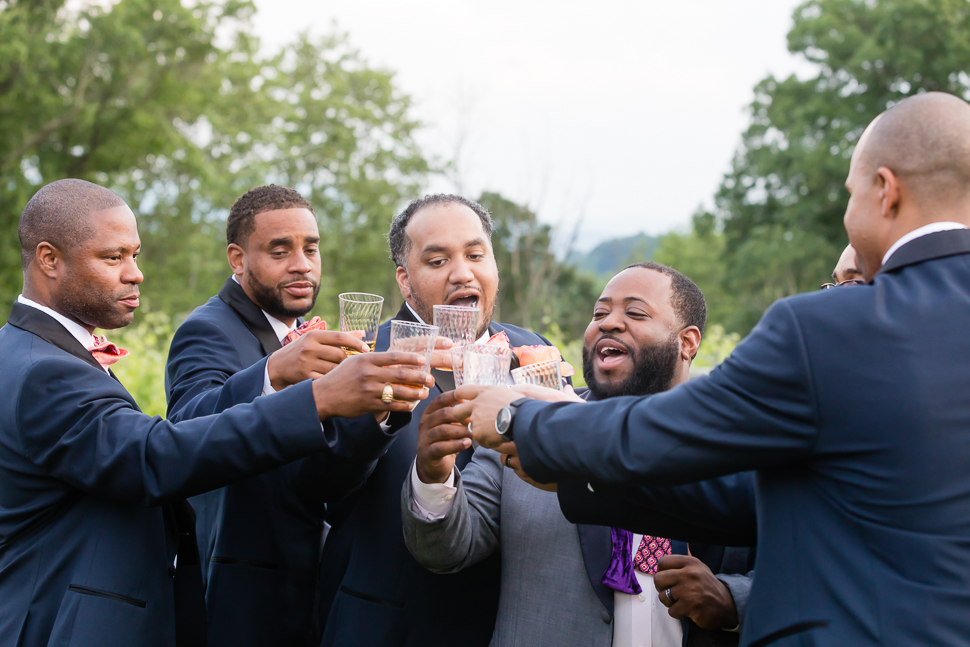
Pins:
x,y
740,587
470,531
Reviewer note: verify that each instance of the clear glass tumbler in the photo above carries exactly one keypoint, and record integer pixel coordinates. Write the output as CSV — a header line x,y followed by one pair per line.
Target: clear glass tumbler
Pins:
x,y
486,365
547,374
360,312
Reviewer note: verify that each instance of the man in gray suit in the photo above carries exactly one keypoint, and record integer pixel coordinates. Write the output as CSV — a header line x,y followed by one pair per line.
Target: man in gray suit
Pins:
x,y
564,584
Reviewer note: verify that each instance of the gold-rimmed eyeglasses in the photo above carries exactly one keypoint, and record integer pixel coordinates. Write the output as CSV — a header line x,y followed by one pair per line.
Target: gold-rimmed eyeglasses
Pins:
x,y
826,286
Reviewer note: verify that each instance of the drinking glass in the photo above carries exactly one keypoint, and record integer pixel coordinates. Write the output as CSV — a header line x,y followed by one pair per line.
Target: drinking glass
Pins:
x,y
547,374
410,337
485,365
457,361
457,323
360,311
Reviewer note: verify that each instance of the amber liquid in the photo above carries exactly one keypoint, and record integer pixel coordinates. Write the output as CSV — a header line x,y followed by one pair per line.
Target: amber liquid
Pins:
x,y
354,351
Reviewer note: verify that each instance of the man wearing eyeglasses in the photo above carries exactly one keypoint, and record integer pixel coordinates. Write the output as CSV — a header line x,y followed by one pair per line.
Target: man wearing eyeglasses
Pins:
x,y
846,271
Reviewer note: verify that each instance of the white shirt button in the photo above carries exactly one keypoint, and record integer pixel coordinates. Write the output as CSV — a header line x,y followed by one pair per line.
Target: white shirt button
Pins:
x,y
643,597
448,497
590,486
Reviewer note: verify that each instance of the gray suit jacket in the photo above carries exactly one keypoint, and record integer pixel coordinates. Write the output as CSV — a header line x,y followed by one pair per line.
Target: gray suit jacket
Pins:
x,y
546,596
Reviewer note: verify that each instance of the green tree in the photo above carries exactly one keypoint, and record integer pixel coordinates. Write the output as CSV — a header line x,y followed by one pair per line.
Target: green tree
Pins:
x,y
780,207
144,98
536,290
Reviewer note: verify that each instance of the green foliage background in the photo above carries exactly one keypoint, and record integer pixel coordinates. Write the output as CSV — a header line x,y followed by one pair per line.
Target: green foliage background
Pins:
x,y
175,107
776,228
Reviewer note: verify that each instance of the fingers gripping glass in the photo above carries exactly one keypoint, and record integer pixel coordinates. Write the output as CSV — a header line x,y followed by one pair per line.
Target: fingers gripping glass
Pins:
x,y
826,286
360,312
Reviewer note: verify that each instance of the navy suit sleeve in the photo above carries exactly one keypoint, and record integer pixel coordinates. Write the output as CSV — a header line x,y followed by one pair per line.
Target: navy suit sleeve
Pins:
x,y
757,410
205,374
79,425
719,511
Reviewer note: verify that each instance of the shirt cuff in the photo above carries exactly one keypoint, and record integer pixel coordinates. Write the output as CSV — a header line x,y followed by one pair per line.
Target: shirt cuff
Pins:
x,y
431,501
386,425
267,387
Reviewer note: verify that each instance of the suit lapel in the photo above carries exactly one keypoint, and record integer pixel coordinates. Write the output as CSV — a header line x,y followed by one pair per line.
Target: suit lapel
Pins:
x,y
50,330
929,247
235,297
597,546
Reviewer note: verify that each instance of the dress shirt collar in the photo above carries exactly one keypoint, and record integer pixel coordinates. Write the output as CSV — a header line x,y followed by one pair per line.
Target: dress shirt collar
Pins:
x,y
280,328
931,228
481,340
77,331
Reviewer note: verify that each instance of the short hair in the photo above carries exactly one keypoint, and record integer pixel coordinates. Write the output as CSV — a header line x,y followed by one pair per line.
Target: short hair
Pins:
x,y
925,139
686,298
272,197
58,214
397,237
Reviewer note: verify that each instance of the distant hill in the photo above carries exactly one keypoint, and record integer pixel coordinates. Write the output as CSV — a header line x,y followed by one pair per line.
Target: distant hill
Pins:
x,y
610,256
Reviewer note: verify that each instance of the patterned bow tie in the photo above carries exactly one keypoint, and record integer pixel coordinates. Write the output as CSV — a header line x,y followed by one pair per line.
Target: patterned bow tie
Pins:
x,y
106,352
650,551
314,324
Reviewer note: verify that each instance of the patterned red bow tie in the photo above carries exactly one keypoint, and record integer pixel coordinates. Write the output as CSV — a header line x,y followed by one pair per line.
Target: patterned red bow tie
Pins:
x,y
649,553
106,352
314,324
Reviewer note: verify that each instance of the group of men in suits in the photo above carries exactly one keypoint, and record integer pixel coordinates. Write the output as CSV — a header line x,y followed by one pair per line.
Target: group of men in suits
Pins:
x,y
210,528
849,405
832,437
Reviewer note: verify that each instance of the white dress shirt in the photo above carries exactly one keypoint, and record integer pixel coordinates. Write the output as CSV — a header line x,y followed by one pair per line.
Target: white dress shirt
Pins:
x,y
77,331
931,228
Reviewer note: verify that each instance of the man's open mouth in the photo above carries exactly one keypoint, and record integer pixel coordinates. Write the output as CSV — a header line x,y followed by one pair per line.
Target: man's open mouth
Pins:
x,y
464,298
610,353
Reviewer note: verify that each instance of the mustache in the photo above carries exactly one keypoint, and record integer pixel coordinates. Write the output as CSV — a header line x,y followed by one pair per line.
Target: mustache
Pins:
x,y
307,279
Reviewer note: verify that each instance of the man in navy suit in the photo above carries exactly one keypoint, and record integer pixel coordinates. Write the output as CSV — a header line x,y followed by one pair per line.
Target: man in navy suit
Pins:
x,y
97,542
578,585
373,592
260,539
850,404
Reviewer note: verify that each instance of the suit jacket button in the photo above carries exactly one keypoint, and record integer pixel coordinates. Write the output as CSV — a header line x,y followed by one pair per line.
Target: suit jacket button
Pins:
x,y
171,571
606,617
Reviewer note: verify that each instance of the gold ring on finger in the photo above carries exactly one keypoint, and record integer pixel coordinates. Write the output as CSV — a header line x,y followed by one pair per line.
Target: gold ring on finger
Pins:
x,y
387,395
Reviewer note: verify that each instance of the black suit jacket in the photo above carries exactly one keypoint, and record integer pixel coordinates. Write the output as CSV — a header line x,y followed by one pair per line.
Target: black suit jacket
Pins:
x,y
852,407
90,488
260,539
372,591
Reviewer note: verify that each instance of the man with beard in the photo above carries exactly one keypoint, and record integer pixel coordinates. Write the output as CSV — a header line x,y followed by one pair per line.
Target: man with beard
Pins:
x,y
863,491
564,584
373,592
260,539
97,542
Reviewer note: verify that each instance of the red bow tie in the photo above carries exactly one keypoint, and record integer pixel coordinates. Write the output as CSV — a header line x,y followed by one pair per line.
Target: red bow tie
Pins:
x,y
314,324
106,352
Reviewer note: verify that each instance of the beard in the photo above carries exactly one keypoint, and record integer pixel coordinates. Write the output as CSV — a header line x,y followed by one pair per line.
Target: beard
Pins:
x,y
85,302
270,298
653,371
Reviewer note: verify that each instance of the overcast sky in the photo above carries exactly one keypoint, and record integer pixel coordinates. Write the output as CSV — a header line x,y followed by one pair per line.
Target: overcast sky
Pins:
x,y
626,113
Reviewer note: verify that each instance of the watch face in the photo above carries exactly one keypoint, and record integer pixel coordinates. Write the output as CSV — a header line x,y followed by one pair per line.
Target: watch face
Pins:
x,y
503,419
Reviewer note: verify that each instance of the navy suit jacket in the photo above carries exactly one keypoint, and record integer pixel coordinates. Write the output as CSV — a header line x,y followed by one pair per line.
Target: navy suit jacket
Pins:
x,y
260,539
679,513
373,592
88,485
852,406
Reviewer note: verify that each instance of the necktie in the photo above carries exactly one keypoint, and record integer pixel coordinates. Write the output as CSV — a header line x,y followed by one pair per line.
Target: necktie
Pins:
x,y
650,551
106,352
314,324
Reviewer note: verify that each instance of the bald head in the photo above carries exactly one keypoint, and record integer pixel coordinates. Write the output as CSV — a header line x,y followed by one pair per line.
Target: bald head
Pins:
x,y
925,141
59,214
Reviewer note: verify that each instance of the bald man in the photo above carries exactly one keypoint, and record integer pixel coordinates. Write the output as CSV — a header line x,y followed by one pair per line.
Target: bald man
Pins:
x,y
850,405
846,271
97,543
